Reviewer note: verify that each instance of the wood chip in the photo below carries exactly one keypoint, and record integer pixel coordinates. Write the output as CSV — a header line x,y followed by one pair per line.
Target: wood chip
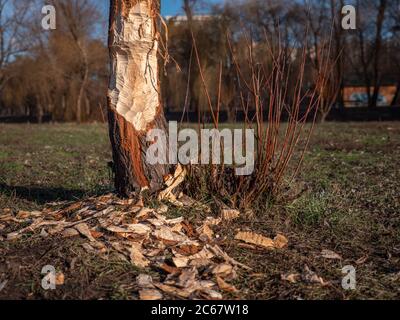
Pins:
x,y
169,269
173,291
172,182
70,232
116,229
187,279
224,286
229,214
205,253
292,277
150,294
311,277
180,262
137,258
84,230
223,270
166,235
139,229
60,278
145,281
328,254
279,241
206,233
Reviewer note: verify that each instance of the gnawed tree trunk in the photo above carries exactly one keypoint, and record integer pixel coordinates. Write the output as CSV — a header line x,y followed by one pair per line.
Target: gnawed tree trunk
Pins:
x,y
134,102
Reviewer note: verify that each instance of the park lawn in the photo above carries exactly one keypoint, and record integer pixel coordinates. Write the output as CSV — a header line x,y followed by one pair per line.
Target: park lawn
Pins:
x,y
345,199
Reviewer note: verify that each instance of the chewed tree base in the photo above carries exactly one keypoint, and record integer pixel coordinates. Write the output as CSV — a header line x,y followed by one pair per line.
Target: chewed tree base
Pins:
x,y
132,172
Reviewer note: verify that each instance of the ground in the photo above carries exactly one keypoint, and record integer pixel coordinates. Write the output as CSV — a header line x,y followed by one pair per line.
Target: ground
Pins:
x,y
345,199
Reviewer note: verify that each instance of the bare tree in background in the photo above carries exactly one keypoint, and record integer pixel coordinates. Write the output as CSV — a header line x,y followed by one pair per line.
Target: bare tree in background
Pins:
x,y
318,14
13,14
134,93
76,18
370,44
394,56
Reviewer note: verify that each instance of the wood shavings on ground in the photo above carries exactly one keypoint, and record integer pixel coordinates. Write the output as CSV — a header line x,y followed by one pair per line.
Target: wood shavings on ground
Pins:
x,y
194,265
278,242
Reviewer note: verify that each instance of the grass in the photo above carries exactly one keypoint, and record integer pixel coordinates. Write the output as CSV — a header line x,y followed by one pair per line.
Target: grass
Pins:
x,y
345,199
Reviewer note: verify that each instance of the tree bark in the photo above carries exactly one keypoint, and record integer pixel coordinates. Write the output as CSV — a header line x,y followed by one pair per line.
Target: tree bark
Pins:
x,y
85,76
134,102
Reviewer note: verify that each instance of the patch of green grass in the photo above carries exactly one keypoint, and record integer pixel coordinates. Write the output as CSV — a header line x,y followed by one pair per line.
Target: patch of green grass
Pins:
x,y
309,209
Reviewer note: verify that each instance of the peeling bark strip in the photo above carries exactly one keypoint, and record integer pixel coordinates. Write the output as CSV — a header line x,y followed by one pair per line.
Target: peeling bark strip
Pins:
x,y
134,96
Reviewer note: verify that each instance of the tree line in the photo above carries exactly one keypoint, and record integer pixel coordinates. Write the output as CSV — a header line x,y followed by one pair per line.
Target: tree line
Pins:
x,y
64,72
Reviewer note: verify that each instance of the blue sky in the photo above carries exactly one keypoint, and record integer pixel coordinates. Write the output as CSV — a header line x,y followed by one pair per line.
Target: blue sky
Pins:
x,y
171,7
168,7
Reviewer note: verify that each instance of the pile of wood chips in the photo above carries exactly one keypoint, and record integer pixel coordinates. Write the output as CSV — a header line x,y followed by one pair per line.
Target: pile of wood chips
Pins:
x,y
195,266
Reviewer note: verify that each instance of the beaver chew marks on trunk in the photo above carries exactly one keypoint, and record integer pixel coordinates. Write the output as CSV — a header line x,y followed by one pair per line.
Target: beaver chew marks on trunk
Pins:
x,y
134,96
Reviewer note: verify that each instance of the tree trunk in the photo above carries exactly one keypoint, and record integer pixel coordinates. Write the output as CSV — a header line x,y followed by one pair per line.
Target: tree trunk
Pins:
x,y
396,96
134,102
85,77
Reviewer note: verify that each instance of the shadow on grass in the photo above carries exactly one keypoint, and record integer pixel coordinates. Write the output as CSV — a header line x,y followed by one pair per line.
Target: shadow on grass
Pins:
x,y
42,195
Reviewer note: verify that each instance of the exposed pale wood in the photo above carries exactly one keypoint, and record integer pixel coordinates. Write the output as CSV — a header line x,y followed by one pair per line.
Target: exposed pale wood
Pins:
x,y
134,102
